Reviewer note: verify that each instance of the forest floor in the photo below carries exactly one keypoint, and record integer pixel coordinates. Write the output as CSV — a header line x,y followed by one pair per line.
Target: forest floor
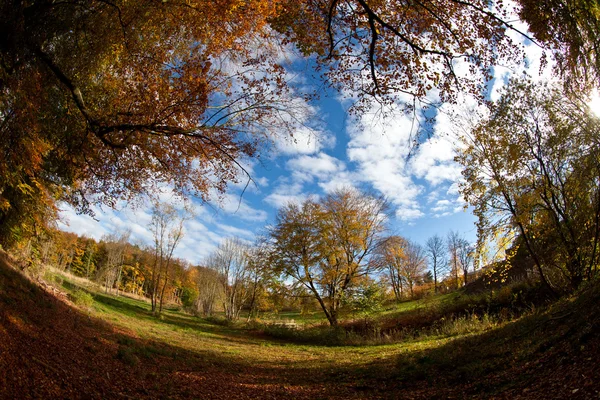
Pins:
x,y
114,348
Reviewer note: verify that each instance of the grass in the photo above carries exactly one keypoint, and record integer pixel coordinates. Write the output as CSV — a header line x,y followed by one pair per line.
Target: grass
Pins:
x,y
431,337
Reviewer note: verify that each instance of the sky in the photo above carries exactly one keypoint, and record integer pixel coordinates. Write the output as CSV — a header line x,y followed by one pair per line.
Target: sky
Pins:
x,y
334,149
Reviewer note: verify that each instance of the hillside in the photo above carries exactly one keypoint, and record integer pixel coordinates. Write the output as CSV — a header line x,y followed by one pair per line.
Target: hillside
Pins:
x,y
50,348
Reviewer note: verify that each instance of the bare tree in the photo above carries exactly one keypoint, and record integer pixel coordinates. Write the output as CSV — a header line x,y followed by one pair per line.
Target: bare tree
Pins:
x,y
390,256
415,265
453,242
405,262
115,252
436,252
260,272
230,261
208,290
466,257
167,229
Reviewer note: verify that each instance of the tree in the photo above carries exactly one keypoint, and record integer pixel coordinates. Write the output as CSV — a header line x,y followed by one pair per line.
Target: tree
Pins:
x,y
260,273
231,263
115,244
436,254
405,262
102,101
465,258
572,30
325,246
392,255
414,266
208,290
167,230
533,166
453,240
405,48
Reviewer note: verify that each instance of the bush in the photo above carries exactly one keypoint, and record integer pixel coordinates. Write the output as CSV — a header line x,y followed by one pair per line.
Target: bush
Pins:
x,y
189,296
82,298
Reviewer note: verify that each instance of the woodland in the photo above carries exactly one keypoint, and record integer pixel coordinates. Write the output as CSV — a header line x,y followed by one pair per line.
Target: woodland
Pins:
x,y
110,101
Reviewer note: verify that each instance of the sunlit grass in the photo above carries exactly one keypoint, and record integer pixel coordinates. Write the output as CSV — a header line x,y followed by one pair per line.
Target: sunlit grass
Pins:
x,y
233,342
440,348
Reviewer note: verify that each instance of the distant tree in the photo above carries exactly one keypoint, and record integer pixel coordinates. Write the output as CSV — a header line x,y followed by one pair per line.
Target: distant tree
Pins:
x,y
260,273
325,246
453,240
466,258
428,277
436,252
231,262
365,298
414,266
208,284
167,231
115,244
391,256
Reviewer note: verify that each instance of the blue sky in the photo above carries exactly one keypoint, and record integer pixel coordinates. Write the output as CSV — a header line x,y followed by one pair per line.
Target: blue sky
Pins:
x,y
339,150
333,149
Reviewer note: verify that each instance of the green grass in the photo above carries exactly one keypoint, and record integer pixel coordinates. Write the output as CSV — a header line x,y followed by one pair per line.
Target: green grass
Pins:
x,y
440,342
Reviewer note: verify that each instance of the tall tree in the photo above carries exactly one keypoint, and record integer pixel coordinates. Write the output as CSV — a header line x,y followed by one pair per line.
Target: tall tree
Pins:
x,y
453,240
167,231
392,255
571,29
466,258
415,265
103,100
533,166
436,252
326,246
405,48
405,262
260,273
231,263
208,290
115,244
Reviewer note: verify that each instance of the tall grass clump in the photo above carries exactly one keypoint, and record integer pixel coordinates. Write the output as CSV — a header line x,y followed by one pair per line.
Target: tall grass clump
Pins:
x,y
82,298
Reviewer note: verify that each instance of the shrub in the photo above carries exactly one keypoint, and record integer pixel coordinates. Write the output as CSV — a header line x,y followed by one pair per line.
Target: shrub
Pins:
x,y
82,298
189,296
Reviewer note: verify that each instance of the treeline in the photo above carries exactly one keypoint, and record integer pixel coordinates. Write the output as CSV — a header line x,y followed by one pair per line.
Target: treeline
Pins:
x,y
230,281
240,275
113,262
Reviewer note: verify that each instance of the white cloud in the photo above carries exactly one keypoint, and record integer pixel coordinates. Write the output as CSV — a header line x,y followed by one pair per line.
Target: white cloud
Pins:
x,y
380,150
434,160
286,193
232,230
304,140
408,214
235,205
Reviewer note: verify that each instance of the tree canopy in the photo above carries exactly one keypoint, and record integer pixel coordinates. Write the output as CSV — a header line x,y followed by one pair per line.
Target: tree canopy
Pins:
x,y
532,167
326,246
101,101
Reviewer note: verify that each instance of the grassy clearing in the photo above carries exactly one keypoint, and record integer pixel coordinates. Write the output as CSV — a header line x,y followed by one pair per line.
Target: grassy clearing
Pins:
x,y
226,343
433,344
267,344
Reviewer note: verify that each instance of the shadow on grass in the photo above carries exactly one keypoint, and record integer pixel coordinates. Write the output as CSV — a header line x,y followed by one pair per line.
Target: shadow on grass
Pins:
x,y
127,307
486,364
152,368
